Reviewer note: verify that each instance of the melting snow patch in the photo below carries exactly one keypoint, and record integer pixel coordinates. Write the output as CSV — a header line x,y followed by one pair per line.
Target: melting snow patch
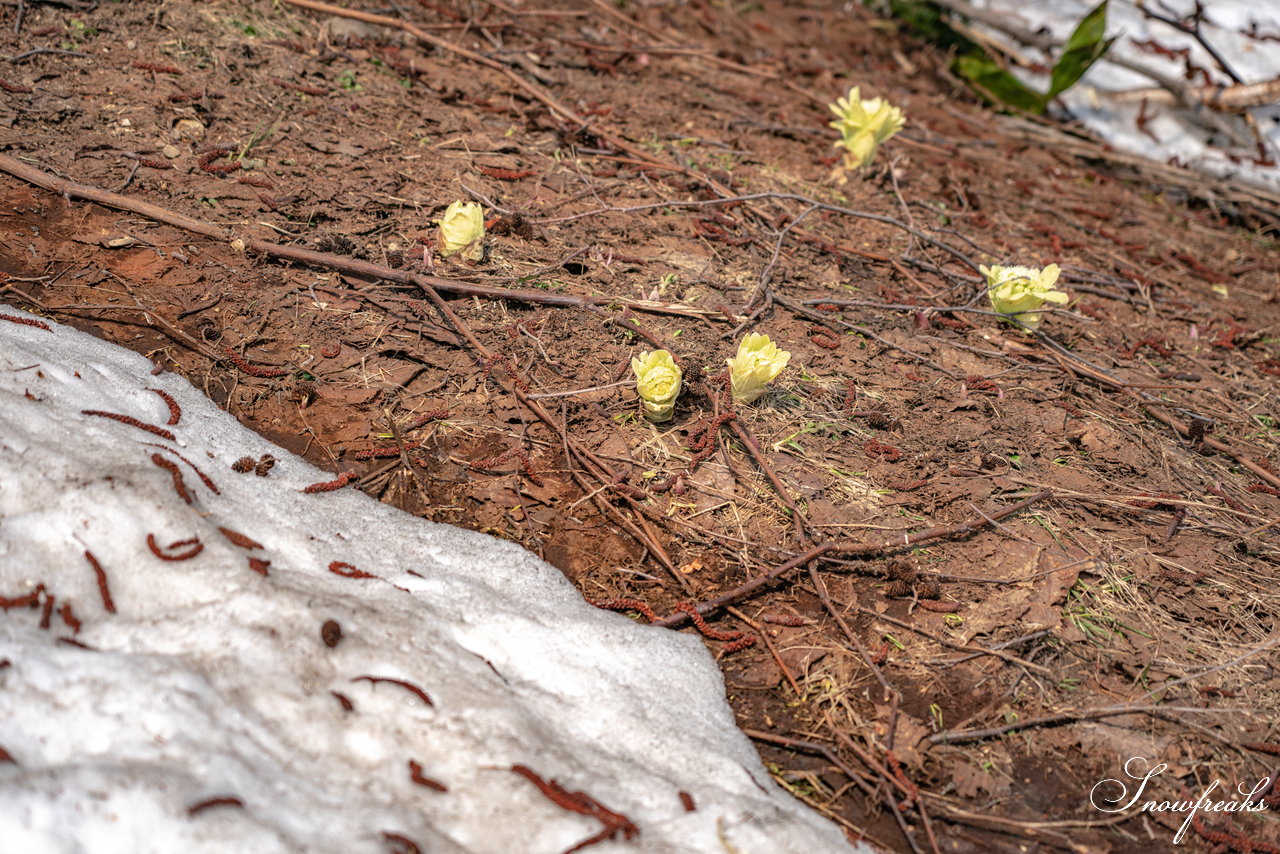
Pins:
x,y
264,669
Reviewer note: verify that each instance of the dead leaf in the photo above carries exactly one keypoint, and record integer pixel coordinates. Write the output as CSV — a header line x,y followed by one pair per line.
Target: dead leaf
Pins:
x,y
1044,609
1071,633
799,647
1042,616
969,780
1098,439
909,745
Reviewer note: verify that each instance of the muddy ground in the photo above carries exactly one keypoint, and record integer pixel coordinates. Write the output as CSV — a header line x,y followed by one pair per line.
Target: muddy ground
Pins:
x,y
960,690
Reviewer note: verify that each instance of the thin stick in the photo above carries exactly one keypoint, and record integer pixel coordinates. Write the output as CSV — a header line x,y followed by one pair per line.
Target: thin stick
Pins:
x,y
976,650
362,269
1060,718
798,520
865,654
37,51
764,636
856,549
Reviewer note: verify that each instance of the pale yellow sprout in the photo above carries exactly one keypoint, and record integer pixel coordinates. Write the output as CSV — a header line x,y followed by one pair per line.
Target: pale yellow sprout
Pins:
x,y
758,361
1020,291
658,383
462,230
863,125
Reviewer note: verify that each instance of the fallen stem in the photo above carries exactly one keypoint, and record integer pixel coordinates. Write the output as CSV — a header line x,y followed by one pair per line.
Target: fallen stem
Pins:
x,y
363,269
857,549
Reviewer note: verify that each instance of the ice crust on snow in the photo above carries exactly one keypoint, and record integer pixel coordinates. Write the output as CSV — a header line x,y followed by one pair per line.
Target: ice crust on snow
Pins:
x,y
212,681
1178,133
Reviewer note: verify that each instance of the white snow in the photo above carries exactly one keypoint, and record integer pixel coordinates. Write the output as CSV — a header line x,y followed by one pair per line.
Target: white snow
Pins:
x,y
211,680
1193,138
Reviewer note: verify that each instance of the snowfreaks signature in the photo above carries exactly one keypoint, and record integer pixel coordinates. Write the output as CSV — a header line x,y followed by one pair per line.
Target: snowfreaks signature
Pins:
x,y
1252,799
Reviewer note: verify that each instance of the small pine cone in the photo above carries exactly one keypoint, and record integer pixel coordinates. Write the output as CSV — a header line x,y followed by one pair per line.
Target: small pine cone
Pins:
x,y
243,465
900,570
898,589
880,420
929,590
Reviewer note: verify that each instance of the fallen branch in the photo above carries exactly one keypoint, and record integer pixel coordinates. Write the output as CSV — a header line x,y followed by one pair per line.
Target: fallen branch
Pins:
x,y
853,549
1104,711
1153,405
798,520
352,266
966,736
1227,98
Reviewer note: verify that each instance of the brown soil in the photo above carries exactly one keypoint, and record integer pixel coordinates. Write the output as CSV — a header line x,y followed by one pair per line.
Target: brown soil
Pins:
x,y
1151,565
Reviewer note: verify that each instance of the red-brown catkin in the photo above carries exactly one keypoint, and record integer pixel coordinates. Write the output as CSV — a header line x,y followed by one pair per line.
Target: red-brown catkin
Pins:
x,y
240,539
179,486
69,618
404,844
346,570
46,613
252,369
227,801
103,589
26,321
204,478
175,411
383,453
332,485
426,418
416,775
28,600
131,421
194,544
157,68
626,605
504,174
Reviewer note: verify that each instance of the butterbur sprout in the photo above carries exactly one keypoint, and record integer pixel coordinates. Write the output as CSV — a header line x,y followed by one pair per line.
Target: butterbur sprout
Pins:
x,y
758,361
1020,291
863,125
462,230
658,383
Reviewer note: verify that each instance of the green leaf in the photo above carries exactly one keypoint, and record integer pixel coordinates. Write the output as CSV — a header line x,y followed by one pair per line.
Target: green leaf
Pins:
x,y
926,21
998,84
1085,47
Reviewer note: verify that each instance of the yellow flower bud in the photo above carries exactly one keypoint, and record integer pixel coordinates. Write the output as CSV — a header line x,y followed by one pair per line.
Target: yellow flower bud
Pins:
x,y
863,125
462,230
1019,291
758,361
658,382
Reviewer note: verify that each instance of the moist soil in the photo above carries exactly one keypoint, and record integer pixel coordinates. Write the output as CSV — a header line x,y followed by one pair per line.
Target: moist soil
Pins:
x,y
943,676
